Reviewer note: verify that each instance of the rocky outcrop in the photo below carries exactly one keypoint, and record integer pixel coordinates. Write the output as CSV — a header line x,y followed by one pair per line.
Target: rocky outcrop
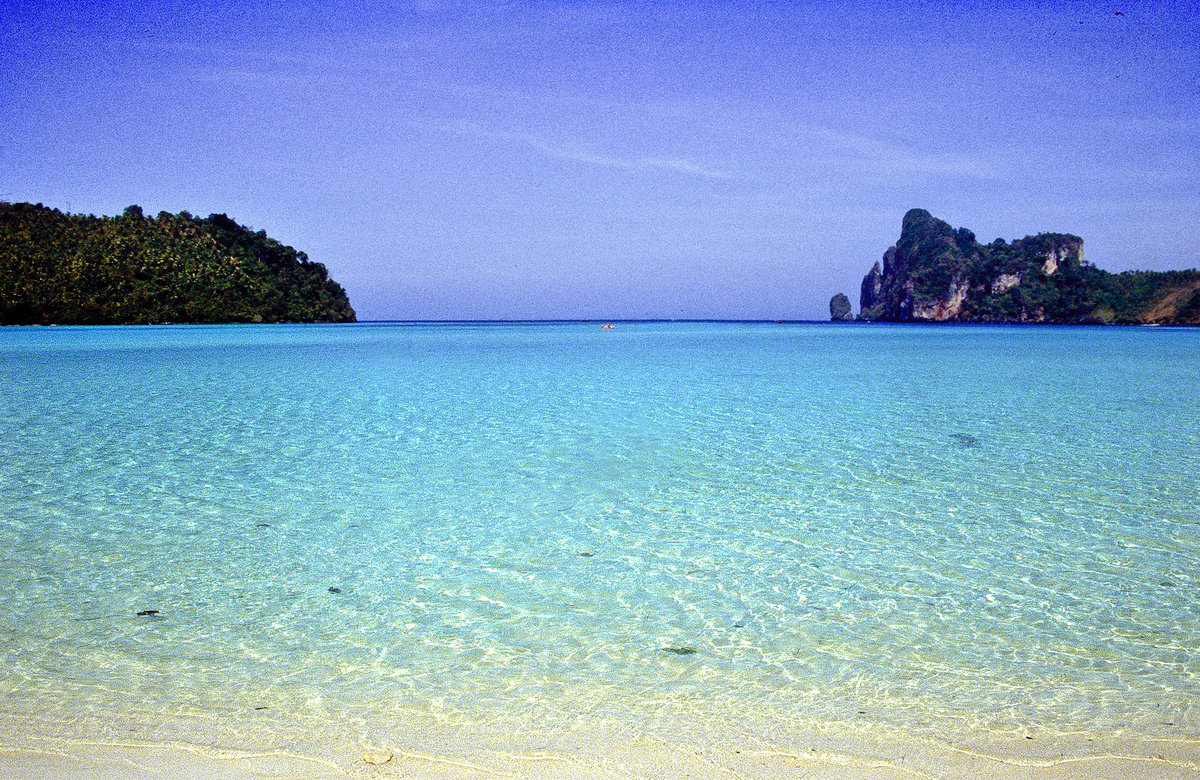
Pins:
x,y
936,273
872,285
840,309
1004,282
941,309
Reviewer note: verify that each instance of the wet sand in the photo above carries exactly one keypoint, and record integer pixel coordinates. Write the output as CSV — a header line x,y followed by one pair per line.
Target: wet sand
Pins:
x,y
584,753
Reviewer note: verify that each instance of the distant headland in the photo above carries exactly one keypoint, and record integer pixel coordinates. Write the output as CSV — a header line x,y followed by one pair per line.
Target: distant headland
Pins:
x,y
936,273
70,269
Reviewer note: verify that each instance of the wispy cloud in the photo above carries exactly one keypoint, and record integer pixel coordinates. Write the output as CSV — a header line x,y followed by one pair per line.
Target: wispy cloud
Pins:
x,y
577,153
891,157
1153,125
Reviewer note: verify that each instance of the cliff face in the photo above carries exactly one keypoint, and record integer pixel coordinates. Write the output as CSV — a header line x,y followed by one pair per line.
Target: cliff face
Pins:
x,y
58,268
936,273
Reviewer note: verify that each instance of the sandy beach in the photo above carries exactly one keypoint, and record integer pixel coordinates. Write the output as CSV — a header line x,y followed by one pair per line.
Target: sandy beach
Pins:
x,y
586,753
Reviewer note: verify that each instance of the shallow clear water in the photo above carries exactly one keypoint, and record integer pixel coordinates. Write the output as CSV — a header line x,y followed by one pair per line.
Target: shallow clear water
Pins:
x,y
932,528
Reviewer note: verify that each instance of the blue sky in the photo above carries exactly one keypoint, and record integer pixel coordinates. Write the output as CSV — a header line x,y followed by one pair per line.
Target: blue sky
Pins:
x,y
613,159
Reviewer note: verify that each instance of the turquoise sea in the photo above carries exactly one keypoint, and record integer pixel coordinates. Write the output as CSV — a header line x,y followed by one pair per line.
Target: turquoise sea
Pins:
x,y
750,528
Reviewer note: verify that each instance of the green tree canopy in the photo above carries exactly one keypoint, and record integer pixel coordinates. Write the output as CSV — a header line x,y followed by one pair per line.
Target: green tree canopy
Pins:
x,y
76,269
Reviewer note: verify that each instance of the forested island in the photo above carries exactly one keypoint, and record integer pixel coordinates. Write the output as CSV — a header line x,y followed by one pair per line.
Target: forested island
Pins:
x,y
936,273
70,269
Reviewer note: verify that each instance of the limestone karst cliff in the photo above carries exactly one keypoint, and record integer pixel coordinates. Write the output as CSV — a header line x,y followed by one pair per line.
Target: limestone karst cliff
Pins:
x,y
936,273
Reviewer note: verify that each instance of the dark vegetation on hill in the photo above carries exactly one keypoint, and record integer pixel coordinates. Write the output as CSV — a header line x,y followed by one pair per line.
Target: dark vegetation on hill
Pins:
x,y
936,273
58,268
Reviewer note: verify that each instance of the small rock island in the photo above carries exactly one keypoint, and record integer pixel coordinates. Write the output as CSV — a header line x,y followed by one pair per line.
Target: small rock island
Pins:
x,y
69,269
840,309
936,273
